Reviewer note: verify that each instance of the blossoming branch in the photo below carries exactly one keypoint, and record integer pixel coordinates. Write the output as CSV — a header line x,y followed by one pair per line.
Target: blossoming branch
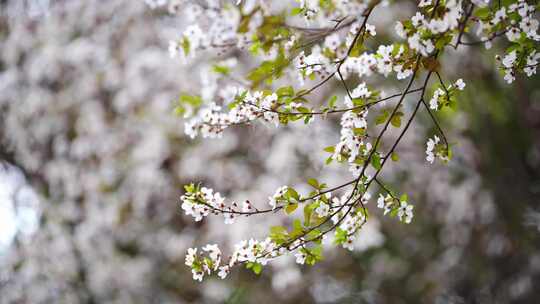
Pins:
x,y
338,43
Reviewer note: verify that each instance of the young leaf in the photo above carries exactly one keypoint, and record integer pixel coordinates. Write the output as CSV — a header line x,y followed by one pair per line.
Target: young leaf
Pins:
x,y
394,156
396,120
332,101
278,234
285,91
376,161
292,193
221,69
313,183
257,268
330,149
403,197
291,208
381,118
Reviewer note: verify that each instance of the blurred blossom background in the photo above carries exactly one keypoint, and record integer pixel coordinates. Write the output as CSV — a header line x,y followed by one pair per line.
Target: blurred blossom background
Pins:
x,y
93,161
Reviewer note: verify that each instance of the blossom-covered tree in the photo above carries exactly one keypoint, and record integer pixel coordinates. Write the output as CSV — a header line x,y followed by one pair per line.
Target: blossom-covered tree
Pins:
x,y
335,43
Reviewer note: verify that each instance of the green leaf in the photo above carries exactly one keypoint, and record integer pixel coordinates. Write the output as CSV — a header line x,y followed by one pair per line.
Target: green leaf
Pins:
x,y
190,188
255,47
292,193
359,131
179,110
291,208
382,117
197,265
243,27
396,120
238,99
257,268
192,100
443,41
328,160
278,230
307,118
304,110
394,156
376,161
357,102
296,11
449,153
483,12
285,91
308,211
326,4
221,69
268,70
340,236
297,229
313,183
313,255
332,101
186,46
330,149
314,235
279,234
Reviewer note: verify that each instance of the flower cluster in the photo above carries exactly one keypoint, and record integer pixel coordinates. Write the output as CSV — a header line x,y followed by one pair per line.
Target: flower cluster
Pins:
x,y
517,23
349,221
342,211
445,96
252,252
200,266
212,121
278,197
511,62
312,10
316,64
387,59
199,202
405,212
353,146
219,31
435,148
423,33
323,208
394,206
512,21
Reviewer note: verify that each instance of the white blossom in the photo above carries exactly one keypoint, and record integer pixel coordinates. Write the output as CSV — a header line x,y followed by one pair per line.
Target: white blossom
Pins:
x,y
197,275
424,3
434,101
223,271
370,29
273,200
430,147
460,84
405,212
191,256
322,209
300,258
